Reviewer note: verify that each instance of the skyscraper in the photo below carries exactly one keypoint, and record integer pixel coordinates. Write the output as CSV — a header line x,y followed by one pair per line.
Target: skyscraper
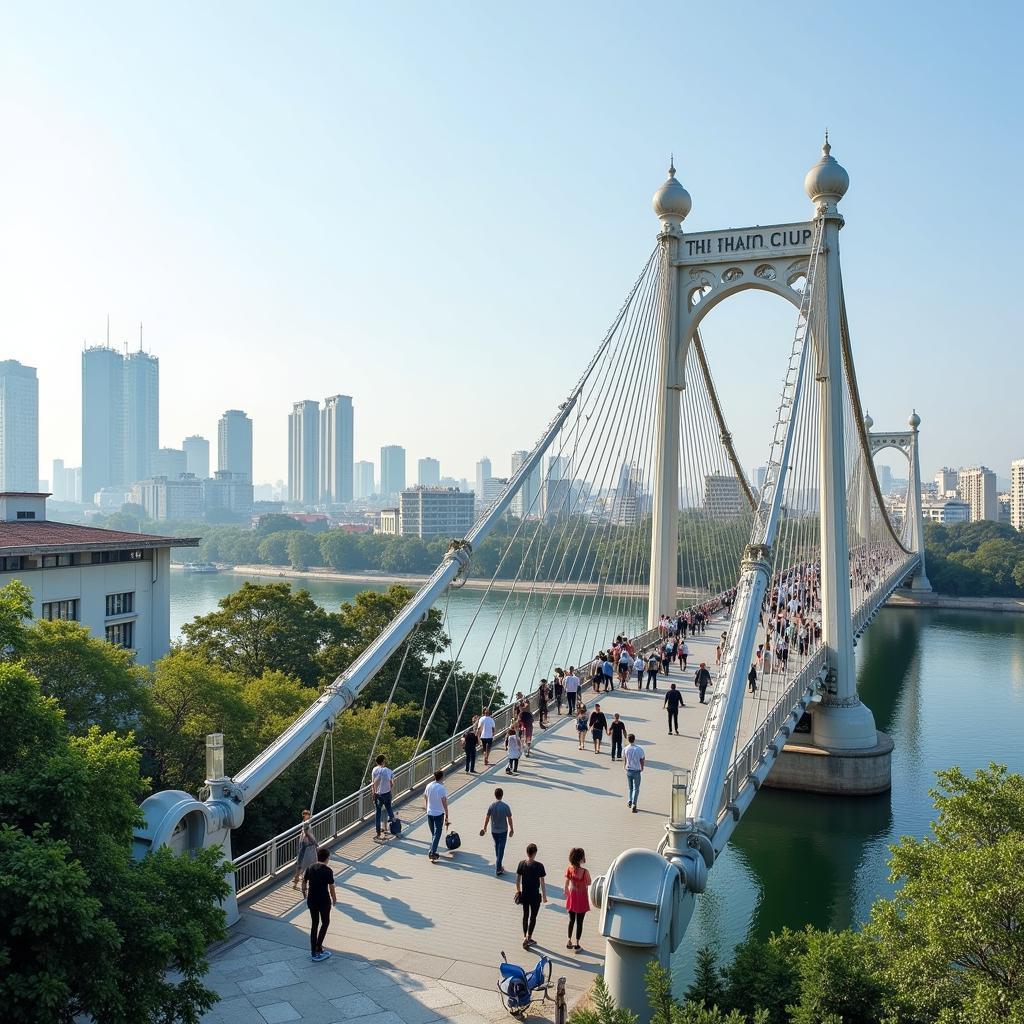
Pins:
x,y
59,484
234,443
483,474
428,472
169,462
102,420
197,456
336,449
526,503
978,488
363,485
946,481
392,470
19,427
304,453
1017,494
141,412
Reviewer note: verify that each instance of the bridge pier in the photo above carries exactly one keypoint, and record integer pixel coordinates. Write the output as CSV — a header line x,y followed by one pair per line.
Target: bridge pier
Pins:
x,y
810,767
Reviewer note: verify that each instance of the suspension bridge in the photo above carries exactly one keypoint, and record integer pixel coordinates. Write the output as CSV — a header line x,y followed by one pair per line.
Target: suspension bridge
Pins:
x,y
630,511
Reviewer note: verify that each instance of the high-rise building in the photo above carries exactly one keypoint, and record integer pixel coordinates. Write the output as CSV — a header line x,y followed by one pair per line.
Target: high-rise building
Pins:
x,y
227,492
946,481
234,443
141,410
1017,494
759,476
102,420
304,453
723,496
73,484
557,494
428,472
363,483
171,463
336,485
483,474
197,456
59,488
526,504
977,486
19,427
392,470
884,474
435,512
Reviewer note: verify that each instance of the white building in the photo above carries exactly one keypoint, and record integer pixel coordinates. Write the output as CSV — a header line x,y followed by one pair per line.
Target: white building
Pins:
x,y
163,498
977,486
304,453
363,482
197,456
117,584
234,443
228,492
946,482
946,510
526,504
336,439
392,471
428,473
19,427
141,408
484,471
389,520
1017,494
723,497
435,512
170,462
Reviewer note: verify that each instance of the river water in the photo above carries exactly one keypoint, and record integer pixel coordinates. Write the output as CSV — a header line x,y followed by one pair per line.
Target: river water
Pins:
x,y
947,686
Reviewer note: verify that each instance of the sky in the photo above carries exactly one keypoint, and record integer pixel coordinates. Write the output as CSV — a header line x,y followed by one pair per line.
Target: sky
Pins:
x,y
438,208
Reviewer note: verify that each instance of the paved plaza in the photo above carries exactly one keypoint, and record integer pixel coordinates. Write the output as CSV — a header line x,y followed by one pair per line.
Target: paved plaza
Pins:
x,y
415,941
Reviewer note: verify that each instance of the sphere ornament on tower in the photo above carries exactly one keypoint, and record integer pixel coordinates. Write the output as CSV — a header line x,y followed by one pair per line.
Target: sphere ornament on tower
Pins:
x,y
868,421
671,202
914,421
827,181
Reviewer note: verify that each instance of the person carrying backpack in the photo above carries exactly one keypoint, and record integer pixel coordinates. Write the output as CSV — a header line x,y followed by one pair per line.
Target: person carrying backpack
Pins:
x,y
702,680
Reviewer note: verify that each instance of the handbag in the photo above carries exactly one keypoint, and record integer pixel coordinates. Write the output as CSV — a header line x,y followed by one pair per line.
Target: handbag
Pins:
x,y
453,840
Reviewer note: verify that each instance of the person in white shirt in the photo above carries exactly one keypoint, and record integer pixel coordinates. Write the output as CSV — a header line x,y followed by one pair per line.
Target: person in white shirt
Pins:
x,y
572,688
380,782
633,759
435,799
485,730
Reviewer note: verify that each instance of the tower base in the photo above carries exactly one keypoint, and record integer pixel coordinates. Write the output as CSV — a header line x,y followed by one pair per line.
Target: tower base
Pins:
x,y
842,772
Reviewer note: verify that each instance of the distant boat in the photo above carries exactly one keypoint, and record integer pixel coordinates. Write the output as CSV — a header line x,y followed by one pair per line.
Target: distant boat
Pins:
x,y
201,567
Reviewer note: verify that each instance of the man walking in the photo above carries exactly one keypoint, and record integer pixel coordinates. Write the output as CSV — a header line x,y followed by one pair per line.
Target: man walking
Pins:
x,y
499,815
607,674
531,890
617,730
598,727
673,701
470,741
572,689
702,680
634,760
435,799
485,730
653,665
380,782
320,895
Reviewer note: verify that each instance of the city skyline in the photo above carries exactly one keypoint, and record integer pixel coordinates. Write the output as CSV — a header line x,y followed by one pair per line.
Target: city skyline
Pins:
x,y
238,321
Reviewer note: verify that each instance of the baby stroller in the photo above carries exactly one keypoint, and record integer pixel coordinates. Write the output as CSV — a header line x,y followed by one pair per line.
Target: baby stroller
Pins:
x,y
516,987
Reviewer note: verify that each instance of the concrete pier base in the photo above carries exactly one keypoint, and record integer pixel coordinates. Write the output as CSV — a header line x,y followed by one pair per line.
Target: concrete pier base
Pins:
x,y
812,769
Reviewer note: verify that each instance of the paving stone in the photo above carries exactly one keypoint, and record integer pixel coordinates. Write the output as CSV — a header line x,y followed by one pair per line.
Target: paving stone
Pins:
x,y
280,977
355,1006
278,1013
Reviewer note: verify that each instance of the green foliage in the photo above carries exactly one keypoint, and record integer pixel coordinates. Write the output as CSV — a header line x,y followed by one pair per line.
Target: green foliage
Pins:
x,y
764,974
954,930
94,682
975,559
15,610
603,1009
85,929
707,988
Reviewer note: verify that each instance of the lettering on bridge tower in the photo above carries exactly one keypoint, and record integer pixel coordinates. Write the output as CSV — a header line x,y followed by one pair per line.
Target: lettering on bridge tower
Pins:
x,y
746,243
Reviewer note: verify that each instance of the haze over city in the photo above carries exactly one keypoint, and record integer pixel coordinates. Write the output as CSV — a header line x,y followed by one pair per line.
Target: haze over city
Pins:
x,y
390,207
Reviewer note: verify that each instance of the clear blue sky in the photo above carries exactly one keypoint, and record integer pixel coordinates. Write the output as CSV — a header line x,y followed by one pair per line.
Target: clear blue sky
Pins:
x,y
437,208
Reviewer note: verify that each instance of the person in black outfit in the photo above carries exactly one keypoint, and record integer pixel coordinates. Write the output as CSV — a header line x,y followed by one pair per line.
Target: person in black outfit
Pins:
x,y
702,680
673,701
598,727
469,745
752,679
531,890
617,730
318,889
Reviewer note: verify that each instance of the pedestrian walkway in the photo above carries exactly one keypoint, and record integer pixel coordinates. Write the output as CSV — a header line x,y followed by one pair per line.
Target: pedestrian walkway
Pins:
x,y
415,941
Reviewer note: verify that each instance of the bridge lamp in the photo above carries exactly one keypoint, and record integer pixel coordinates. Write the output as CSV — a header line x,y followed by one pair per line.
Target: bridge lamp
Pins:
x,y
214,756
680,783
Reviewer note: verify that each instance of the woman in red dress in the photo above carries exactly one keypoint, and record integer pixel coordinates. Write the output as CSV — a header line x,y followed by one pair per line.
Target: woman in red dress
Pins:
x,y
577,903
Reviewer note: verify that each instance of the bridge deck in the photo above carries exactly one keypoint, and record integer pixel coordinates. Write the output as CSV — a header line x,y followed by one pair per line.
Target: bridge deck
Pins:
x,y
415,942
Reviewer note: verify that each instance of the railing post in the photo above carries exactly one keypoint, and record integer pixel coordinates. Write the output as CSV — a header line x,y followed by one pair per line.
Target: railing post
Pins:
x,y
272,857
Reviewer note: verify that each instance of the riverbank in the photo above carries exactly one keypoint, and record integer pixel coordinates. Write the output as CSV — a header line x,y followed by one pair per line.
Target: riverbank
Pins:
x,y
413,580
920,599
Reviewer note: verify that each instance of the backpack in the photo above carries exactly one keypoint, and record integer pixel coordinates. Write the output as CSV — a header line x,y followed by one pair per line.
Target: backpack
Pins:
x,y
396,826
452,840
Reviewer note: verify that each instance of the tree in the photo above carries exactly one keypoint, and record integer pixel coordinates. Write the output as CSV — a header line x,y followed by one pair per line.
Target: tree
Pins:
x,y
603,1009
276,522
94,682
707,988
85,929
953,932
765,974
273,549
261,627
303,550
15,610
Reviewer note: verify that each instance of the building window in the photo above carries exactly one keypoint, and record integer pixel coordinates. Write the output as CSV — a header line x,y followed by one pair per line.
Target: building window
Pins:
x,y
10,564
121,634
67,610
121,604
26,515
